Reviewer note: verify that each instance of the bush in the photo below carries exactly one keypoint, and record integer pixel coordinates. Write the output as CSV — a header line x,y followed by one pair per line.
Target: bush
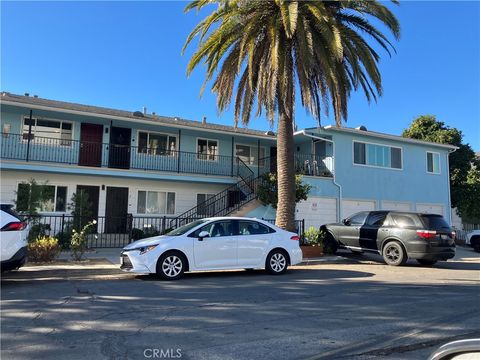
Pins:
x,y
78,243
150,232
312,237
137,234
65,237
37,231
43,249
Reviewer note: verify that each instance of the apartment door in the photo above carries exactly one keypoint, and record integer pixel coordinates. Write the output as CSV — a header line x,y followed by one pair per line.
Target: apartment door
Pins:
x,y
87,199
116,209
119,153
90,145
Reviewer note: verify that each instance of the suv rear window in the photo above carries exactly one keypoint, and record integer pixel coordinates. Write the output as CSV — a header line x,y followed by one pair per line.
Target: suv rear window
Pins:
x,y
434,222
9,210
405,220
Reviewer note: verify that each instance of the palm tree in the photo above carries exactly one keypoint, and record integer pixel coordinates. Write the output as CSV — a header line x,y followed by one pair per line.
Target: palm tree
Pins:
x,y
268,51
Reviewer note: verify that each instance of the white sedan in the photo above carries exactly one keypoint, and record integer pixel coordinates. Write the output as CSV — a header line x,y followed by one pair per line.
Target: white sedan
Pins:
x,y
214,244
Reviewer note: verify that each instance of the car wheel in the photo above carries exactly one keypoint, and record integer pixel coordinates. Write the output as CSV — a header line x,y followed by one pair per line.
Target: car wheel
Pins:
x,y
426,262
276,263
394,254
331,245
171,266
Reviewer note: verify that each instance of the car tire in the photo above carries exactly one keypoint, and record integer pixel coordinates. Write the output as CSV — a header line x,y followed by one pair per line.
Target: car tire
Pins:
x,y
475,243
394,254
426,262
171,265
277,262
330,245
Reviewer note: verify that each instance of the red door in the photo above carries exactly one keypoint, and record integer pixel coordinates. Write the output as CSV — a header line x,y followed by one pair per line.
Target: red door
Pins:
x,y
90,145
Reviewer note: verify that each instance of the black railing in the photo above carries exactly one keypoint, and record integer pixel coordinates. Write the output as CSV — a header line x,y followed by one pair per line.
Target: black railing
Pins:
x,y
305,164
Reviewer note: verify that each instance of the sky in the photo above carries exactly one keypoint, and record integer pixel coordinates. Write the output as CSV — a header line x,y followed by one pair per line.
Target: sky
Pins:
x,y
127,55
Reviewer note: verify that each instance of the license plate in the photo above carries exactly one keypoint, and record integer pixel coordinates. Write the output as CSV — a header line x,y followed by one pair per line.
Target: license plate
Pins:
x,y
444,237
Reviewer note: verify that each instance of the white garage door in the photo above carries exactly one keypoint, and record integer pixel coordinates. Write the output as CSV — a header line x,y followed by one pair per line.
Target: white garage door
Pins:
x,y
430,208
350,207
394,205
317,211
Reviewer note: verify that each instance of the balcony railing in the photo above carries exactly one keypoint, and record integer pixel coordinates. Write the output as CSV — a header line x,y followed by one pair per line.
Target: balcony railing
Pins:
x,y
94,154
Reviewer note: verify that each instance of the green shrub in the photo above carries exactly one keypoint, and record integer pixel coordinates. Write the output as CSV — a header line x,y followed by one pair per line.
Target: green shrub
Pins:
x,y
78,243
37,231
43,249
137,234
314,237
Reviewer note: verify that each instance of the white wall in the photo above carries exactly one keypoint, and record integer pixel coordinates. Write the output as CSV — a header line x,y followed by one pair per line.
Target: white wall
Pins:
x,y
185,198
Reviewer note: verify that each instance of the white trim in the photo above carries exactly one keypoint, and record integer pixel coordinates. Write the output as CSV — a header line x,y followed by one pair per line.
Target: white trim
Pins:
x,y
449,202
217,155
135,120
375,166
34,128
56,185
137,190
254,147
389,137
439,163
302,132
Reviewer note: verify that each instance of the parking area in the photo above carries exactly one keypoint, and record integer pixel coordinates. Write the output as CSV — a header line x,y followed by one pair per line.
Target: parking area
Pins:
x,y
352,307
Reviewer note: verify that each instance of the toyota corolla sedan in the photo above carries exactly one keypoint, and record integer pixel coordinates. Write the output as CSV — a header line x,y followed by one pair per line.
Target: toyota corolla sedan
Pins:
x,y
214,244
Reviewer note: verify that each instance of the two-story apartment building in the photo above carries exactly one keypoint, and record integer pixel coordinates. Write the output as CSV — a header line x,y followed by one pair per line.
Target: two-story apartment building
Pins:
x,y
154,166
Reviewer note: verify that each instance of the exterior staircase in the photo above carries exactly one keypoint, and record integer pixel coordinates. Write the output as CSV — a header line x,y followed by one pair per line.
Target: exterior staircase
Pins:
x,y
232,199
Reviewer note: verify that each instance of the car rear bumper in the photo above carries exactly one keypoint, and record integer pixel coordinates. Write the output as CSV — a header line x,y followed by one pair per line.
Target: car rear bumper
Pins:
x,y
296,256
440,253
16,261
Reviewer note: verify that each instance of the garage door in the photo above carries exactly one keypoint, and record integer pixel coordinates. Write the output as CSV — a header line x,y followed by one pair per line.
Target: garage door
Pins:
x,y
317,211
395,205
350,207
430,208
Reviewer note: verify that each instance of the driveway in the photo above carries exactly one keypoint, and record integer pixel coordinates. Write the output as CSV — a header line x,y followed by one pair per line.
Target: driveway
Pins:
x,y
353,308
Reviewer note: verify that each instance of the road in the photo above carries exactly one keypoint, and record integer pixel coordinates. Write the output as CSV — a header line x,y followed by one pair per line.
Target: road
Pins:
x,y
353,308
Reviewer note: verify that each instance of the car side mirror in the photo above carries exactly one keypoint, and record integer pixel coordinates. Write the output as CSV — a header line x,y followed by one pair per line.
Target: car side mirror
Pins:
x,y
346,222
203,234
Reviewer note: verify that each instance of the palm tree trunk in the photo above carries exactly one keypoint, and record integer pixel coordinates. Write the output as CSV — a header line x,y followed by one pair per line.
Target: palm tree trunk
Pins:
x,y
285,173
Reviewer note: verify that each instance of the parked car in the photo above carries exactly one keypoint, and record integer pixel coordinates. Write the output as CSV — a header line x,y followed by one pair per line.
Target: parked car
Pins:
x,y
13,239
473,240
468,349
214,244
397,236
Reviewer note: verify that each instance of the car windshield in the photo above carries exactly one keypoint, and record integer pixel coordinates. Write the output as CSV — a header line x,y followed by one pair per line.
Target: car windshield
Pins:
x,y
185,228
435,222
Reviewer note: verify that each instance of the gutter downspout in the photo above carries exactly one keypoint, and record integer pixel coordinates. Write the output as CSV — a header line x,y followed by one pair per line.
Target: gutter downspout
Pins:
x,y
340,190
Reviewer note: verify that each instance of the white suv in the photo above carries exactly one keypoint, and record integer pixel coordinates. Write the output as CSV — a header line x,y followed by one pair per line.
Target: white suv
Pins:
x,y
13,239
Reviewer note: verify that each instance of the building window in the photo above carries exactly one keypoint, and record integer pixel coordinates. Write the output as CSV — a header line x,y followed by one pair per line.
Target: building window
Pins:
x,y
208,208
156,144
249,154
207,149
49,198
156,202
48,132
377,155
433,163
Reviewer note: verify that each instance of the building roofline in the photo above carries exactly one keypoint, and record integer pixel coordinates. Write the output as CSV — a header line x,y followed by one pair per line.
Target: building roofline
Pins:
x,y
123,115
389,137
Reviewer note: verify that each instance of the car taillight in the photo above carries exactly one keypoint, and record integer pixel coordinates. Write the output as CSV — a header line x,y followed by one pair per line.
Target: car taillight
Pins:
x,y
14,226
295,237
427,234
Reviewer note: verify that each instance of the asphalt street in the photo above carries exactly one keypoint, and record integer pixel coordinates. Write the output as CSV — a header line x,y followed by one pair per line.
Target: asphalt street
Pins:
x,y
354,307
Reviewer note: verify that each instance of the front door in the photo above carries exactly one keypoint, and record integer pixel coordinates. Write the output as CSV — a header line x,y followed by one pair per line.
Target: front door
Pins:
x,y
373,230
86,205
90,145
219,250
116,209
119,153
350,235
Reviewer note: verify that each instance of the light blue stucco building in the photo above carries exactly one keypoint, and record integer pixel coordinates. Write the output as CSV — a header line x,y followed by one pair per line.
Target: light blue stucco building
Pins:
x,y
150,166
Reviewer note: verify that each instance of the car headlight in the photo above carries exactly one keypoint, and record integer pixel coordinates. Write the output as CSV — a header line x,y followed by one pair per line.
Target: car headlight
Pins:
x,y
146,249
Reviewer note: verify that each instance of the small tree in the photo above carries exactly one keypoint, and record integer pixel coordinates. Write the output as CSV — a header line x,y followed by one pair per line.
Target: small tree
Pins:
x,y
268,189
78,243
81,209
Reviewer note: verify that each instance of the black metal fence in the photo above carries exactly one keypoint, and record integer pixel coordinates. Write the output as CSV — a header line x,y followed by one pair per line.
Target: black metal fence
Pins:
x,y
110,232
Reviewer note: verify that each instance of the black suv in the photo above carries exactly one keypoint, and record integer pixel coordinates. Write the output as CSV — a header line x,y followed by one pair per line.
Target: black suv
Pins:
x,y
397,236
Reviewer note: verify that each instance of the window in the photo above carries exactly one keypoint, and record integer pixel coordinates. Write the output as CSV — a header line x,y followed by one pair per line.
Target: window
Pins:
x,y
156,144
59,131
207,149
358,219
405,220
377,155
49,198
217,228
252,228
249,154
155,202
208,208
377,219
433,162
